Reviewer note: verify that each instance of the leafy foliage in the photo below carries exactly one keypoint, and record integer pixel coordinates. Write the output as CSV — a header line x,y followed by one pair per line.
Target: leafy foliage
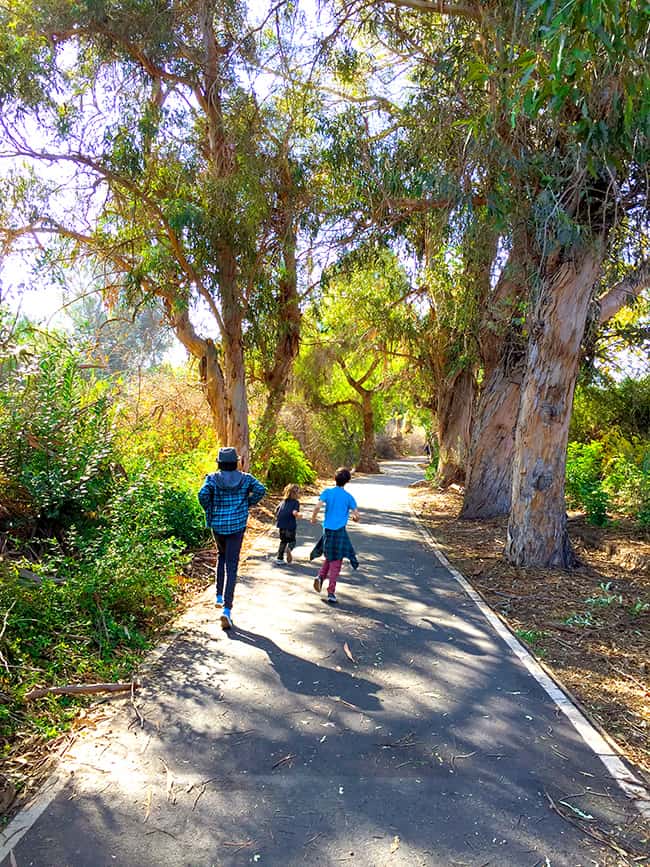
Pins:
x,y
56,434
623,407
288,463
584,485
608,466
91,622
115,511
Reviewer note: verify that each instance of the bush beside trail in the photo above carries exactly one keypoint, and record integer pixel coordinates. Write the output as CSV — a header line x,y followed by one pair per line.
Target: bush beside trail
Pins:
x,y
97,520
608,459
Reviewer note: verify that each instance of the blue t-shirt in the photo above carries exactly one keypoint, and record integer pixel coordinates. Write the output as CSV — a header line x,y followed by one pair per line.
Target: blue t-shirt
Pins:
x,y
338,504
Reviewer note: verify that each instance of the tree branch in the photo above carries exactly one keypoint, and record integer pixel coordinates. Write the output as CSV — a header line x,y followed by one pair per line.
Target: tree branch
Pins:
x,y
357,384
624,292
138,193
336,403
453,10
423,205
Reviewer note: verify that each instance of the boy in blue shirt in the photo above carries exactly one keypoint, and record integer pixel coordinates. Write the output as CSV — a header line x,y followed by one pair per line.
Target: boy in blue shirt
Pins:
x,y
335,543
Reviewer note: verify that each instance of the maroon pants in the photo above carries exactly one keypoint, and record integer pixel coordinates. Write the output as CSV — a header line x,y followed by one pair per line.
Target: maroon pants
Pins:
x,y
330,570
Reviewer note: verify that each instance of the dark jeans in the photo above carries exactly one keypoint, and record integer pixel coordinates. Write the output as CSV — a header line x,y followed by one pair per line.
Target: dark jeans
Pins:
x,y
287,540
228,549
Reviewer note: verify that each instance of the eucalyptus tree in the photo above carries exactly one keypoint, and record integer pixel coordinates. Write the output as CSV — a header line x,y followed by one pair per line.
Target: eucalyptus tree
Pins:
x,y
560,139
174,166
359,323
455,279
121,340
401,181
584,93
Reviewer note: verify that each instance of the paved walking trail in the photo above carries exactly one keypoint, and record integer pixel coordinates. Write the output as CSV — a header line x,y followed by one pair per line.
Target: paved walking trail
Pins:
x,y
268,745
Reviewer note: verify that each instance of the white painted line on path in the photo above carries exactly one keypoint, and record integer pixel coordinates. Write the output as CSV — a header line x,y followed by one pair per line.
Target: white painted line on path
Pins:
x,y
23,821
631,785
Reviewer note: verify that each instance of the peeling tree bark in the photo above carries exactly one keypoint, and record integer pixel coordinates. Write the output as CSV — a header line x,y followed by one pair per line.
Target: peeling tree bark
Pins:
x,y
455,403
489,479
287,344
232,357
488,482
537,533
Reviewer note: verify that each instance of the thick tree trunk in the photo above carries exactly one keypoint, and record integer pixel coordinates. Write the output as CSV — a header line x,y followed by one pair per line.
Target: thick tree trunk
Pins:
x,y
223,378
488,485
287,344
210,372
234,370
454,413
537,533
214,387
367,462
237,429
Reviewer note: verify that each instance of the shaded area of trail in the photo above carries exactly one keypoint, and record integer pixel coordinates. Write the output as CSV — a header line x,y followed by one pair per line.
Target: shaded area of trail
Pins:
x,y
269,745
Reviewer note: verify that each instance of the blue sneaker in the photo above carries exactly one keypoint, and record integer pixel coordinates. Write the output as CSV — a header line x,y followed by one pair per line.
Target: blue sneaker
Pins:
x,y
226,619
219,601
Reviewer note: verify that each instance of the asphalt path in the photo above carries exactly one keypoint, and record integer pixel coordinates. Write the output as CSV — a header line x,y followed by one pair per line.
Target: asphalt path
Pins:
x,y
433,745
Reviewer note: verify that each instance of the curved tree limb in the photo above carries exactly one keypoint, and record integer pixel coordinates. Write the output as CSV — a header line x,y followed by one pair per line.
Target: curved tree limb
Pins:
x,y
624,292
438,7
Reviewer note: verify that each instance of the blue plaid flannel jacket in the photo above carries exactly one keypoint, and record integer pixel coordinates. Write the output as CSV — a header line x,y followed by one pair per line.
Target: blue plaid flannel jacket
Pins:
x,y
226,509
335,545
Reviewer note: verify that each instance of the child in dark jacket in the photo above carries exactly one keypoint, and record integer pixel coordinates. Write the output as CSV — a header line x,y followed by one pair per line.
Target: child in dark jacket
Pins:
x,y
285,521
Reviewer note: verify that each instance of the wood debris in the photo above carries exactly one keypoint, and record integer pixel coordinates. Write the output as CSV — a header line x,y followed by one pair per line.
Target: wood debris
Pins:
x,y
81,689
283,761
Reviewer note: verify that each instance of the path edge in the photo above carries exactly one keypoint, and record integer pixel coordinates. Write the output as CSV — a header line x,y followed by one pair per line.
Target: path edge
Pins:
x,y
599,742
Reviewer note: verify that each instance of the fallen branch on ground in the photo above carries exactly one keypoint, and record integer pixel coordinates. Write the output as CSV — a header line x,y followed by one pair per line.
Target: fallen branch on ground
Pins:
x,y
80,689
596,833
283,761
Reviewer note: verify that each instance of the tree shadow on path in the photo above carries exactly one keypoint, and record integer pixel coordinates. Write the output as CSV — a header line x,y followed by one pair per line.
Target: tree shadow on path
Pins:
x,y
299,675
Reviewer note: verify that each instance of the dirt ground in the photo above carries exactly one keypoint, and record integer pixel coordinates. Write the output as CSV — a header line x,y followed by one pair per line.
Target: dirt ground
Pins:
x,y
590,627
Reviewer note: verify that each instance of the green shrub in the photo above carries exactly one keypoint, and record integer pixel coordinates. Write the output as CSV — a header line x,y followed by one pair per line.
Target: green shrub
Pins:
x,y
584,486
56,436
628,483
288,464
137,553
605,597
184,515
91,623
334,438
639,607
623,407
